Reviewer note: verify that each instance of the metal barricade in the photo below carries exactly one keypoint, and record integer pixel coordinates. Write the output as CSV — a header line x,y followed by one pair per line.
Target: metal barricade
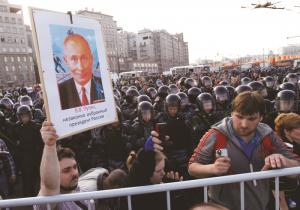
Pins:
x,y
91,196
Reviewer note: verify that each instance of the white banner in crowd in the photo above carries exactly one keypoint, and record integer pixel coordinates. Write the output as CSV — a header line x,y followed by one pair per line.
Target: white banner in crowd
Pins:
x,y
73,70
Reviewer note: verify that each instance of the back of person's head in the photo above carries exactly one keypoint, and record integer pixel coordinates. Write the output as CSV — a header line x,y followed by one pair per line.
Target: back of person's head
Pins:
x,y
286,121
115,179
208,206
143,167
64,152
248,103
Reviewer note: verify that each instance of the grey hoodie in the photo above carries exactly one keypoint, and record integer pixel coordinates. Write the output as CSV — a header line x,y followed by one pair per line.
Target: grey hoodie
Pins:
x,y
256,197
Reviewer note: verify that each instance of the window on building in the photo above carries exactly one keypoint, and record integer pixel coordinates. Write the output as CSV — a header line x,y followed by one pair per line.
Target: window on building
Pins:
x,y
13,68
14,30
9,39
13,20
1,29
3,9
1,19
17,49
24,59
6,68
30,58
5,59
18,58
2,39
20,22
12,59
6,20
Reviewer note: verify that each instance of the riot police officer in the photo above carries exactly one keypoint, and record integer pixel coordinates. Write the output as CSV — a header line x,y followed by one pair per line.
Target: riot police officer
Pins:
x,y
270,86
180,84
242,88
193,94
231,92
186,109
6,106
31,147
113,143
205,116
292,78
173,89
206,85
224,83
142,98
37,114
152,93
129,108
289,86
259,87
180,144
142,125
159,104
223,102
189,83
285,102
245,81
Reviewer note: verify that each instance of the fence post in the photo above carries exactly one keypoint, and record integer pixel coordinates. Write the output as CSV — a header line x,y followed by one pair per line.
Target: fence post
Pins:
x,y
277,193
129,202
242,190
205,194
168,200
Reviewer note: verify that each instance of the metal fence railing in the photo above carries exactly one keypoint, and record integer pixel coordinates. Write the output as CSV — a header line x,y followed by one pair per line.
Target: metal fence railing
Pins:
x,y
128,192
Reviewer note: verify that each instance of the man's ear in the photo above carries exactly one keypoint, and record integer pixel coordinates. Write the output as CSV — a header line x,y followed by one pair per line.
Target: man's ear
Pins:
x,y
260,118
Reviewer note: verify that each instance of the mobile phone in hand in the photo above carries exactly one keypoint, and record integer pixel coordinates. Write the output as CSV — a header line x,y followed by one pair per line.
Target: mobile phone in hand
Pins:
x,y
222,152
161,129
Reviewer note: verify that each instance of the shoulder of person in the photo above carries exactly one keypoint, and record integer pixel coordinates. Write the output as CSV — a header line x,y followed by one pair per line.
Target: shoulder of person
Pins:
x,y
65,83
93,173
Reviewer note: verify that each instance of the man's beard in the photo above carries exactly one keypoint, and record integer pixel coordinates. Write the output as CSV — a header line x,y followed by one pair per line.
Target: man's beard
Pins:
x,y
245,132
68,189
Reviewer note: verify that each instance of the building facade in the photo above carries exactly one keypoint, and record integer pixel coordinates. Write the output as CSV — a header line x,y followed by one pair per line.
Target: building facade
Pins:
x,y
110,35
16,61
149,47
170,50
292,49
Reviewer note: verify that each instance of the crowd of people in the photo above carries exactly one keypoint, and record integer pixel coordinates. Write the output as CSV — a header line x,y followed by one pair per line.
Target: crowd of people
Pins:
x,y
171,128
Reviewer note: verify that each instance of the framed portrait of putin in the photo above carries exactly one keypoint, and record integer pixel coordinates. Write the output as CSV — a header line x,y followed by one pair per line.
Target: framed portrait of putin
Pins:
x,y
73,69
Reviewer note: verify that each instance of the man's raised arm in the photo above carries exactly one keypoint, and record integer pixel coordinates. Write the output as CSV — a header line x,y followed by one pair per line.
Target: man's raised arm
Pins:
x,y
50,169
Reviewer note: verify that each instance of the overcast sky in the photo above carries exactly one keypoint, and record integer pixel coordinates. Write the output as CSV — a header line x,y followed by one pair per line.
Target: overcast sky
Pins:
x,y
210,27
